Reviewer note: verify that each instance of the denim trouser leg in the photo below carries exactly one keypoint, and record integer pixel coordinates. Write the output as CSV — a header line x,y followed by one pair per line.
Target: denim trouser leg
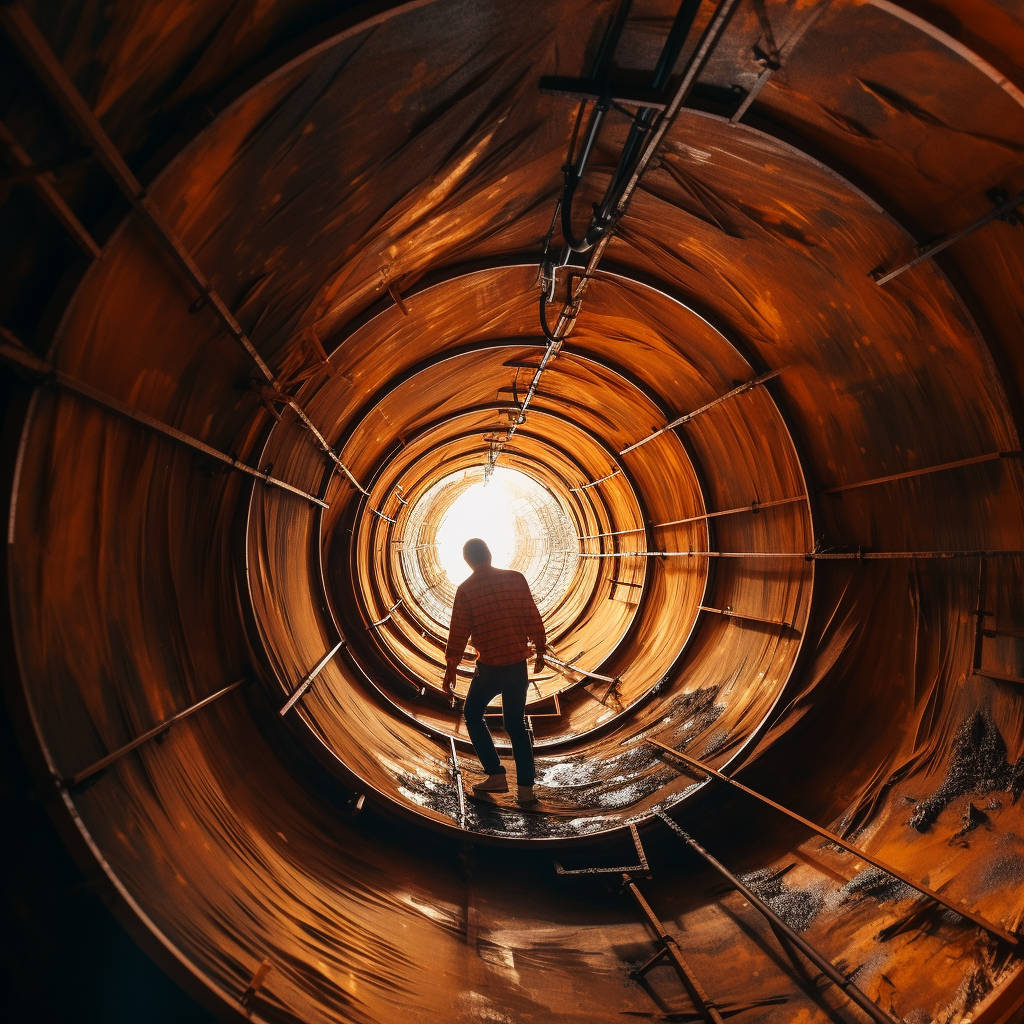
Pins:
x,y
482,690
511,681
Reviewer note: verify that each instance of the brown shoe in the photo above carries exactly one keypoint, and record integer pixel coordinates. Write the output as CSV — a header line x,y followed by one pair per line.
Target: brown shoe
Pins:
x,y
525,795
492,784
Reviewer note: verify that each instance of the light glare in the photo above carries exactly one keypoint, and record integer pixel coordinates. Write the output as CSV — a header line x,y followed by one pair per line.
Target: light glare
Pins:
x,y
483,510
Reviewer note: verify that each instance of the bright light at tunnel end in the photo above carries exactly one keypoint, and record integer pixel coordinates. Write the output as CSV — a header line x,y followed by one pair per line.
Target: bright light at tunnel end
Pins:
x,y
485,510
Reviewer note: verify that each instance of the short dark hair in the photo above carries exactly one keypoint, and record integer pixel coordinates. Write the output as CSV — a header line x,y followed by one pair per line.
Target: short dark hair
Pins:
x,y
476,552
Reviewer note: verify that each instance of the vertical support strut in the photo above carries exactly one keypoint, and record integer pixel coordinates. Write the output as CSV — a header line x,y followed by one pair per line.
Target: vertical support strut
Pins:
x,y
459,787
851,990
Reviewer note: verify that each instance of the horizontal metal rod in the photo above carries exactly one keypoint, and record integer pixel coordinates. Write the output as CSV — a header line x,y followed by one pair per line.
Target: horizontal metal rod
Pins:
x,y
1001,210
624,583
380,622
680,420
585,88
839,841
754,507
612,533
991,457
594,483
852,990
729,614
104,762
17,356
45,186
998,631
997,675
703,1003
572,668
308,681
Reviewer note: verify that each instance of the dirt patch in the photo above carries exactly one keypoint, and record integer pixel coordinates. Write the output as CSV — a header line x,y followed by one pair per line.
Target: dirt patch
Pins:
x,y
797,907
977,764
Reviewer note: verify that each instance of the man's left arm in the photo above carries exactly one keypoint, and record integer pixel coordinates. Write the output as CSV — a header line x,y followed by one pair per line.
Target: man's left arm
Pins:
x,y
535,628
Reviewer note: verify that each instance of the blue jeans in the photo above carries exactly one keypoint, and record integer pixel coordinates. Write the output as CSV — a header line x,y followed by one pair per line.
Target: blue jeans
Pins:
x,y
511,682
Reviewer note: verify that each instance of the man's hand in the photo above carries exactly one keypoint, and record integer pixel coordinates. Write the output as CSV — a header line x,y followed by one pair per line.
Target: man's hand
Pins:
x,y
448,682
538,665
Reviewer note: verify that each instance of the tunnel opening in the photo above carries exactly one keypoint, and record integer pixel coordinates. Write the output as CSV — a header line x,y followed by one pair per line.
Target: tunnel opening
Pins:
x,y
524,525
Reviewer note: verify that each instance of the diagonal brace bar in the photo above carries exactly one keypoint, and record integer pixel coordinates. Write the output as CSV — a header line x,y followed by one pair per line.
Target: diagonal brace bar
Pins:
x,y
1002,208
680,420
308,681
839,841
21,359
101,765
36,51
924,471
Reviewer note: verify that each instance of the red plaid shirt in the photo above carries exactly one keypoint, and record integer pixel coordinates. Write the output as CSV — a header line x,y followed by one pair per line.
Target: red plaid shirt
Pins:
x,y
495,608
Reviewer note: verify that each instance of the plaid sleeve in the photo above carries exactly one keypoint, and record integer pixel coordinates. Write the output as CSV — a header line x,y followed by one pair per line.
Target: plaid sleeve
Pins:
x,y
461,627
534,623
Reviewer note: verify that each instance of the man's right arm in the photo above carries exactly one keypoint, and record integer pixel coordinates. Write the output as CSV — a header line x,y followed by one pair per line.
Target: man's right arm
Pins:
x,y
458,636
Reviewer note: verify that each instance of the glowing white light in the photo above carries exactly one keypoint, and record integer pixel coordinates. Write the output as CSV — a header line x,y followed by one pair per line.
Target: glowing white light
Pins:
x,y
483,510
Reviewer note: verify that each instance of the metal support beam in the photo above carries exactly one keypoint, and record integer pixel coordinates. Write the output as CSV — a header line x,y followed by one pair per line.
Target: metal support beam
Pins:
x,y
754,508
640,868
575,293
775,63
308,680
104,762
730,614
594,483
852,991
380,622
21,359
974,460
707,1008
1002,676
588,89
567,667
834,837
1005,208
680,420
46,188
459,787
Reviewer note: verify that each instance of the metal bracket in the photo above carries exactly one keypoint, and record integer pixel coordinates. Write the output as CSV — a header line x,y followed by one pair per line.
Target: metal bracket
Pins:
x,y
640,868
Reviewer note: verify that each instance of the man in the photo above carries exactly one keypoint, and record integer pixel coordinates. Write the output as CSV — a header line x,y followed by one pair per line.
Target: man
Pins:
x,y
495,608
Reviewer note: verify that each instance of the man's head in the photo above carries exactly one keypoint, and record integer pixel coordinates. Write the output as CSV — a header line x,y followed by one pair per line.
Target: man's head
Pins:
x,y
476,553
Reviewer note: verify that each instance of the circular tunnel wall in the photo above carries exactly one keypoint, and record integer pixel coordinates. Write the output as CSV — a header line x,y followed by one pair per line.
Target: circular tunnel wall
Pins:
x,y
786,584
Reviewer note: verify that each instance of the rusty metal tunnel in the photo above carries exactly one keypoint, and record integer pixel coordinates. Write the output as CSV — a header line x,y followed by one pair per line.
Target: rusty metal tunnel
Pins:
x,y
721,304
